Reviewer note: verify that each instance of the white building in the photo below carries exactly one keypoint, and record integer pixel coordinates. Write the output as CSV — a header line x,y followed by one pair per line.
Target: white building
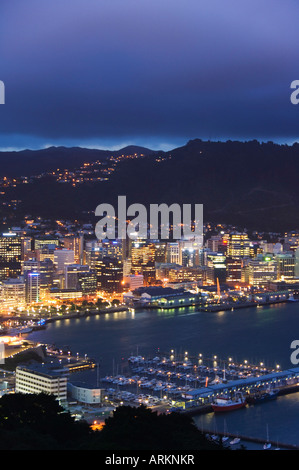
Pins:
x,y
85,394
42,379
133,281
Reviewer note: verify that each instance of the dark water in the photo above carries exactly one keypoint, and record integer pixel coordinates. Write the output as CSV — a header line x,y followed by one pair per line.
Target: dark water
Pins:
x,y
256,335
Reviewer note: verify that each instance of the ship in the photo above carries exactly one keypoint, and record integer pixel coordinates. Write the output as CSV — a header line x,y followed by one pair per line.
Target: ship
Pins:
x,y
261,397
226,403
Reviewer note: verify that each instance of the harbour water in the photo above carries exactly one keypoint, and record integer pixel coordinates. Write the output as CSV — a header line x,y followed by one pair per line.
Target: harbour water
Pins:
x,y
258,335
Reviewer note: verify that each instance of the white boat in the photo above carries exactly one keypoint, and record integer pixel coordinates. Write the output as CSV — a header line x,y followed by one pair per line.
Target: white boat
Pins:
x,y
236,440
267,444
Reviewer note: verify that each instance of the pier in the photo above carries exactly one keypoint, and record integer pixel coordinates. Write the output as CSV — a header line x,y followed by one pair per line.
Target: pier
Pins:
x,y
255,440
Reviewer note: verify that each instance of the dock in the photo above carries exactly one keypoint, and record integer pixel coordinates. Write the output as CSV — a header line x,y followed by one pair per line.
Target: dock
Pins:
x,y
255,440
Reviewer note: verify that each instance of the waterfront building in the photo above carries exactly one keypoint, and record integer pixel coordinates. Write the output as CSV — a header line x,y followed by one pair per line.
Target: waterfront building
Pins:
x,y
261,270
216,268
13,294
42,378
285,265
133,281
234,269
85,394
110,275
161,297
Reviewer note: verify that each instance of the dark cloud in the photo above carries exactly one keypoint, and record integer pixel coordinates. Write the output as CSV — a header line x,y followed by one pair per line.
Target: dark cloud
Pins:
x,y
99,71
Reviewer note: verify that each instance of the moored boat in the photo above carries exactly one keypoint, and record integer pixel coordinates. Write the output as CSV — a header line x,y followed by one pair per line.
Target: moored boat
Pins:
x,y
225,403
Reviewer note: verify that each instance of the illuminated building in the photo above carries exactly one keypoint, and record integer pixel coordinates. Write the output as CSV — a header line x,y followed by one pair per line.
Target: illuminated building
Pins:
x,y
42,379
46,270
133,281
216,267
110,275
238,245
285,266
143,260
13,294
79,277
234,270
76,244
10,256
174,253
32,281
40,243
26,243
291,241
85,394
261,270
62,258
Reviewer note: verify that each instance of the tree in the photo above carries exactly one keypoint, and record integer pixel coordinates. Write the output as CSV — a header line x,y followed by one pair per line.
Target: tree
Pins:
x,y
140,428
38,421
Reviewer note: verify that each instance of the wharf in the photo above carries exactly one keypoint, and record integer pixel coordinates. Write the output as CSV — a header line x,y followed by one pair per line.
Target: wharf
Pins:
x,y
255,440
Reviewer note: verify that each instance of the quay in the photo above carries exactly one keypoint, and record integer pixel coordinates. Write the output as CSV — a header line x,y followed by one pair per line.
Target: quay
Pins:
x,y
255,440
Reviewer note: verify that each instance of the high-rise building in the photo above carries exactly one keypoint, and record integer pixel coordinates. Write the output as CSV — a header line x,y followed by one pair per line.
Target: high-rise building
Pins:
x,y
285,266
76,244
261,270
46,269
10,256
32,283
110,275
13,294
63,258
216,267
238,245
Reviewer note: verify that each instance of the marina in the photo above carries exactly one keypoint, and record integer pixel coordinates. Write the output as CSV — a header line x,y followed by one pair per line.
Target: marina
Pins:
x,y
174,384
262,336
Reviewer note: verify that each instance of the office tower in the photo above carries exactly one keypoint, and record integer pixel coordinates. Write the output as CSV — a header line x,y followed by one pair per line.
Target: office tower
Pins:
x,y
291,241
261,270
234,270
46,269
238,245
285,265
71,275
13,294
216,267
143,260
174,253
160,252
27,248
46,241
75,244
110,275
32,283
30,265
10,256
62,258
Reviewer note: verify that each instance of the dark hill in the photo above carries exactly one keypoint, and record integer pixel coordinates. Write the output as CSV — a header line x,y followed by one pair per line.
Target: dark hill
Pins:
x,y
251,184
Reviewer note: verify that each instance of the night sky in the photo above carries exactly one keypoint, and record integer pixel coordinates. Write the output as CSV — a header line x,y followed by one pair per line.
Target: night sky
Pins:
x,y
108,73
